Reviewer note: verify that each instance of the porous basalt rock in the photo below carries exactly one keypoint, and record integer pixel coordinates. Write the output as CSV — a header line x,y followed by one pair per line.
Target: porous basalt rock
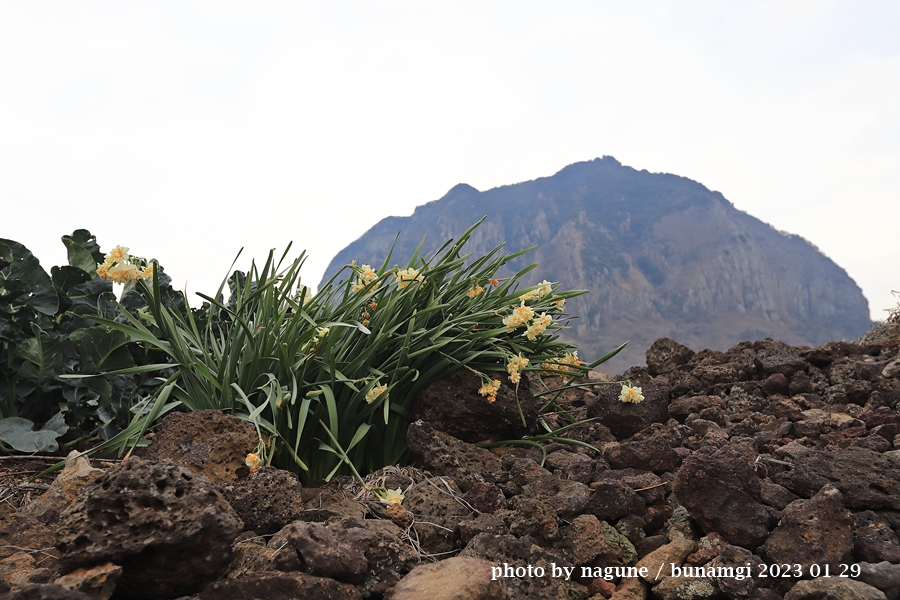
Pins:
x,y
443,454
722,493
625,419
818,531
206,442
665,354
867,479
266,500
170,530
277,585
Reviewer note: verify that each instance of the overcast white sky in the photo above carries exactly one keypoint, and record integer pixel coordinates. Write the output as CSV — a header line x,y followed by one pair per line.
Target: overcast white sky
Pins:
x,y
187,130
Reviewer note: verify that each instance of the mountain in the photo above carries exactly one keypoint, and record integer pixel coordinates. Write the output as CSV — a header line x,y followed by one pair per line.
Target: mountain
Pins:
x,y
661,255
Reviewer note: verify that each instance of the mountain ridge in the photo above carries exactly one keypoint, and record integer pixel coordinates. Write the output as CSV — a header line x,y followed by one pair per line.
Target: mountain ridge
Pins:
x,y
662,255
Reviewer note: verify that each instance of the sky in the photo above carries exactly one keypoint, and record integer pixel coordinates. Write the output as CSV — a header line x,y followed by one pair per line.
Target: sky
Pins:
x,y
188,130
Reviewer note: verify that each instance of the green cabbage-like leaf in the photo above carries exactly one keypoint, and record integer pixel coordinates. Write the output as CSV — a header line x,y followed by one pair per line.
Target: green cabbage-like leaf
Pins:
x,y
24,266
79,256
19,433
105,346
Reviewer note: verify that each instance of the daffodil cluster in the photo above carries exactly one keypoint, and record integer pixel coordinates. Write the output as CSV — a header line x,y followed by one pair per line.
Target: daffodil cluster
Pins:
x,y
120,268
563,364
538,325
514,365
366,276
304,292
408,276
522,314
490,389
321,332
475,291
377,390
543,289
630,393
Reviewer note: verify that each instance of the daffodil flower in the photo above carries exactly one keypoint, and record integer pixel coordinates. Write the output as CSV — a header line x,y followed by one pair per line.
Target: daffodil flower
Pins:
x,y
389,496
408,276
253,461
631,393
376,391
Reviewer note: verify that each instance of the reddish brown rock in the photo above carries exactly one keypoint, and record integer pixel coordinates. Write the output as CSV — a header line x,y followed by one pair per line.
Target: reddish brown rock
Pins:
x,y
833,589
266,500
254,557
515,552
686,587
437,508
443,454
45,591
722,493
866,479
602,587
324,552
589,539
688,405
530,516
484,497
708,548
206,442
818,531
874,540
653,454
328,504
735,583
35,524
169,530
772,356
610,500
97,582
630,588
20,570
665,354
675,552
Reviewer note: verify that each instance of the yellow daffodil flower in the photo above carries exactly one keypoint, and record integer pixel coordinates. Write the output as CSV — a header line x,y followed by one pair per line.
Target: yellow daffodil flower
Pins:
x,y
376,391
631,393
408,276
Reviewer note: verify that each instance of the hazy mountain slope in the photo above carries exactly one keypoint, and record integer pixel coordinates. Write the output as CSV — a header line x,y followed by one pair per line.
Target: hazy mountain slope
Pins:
x,y
661,254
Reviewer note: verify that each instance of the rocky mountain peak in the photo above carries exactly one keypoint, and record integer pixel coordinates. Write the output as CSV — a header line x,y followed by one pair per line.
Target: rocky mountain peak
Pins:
x,y
661,254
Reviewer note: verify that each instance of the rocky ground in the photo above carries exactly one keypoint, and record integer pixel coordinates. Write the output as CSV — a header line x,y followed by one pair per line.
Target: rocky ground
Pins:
x,y
763,472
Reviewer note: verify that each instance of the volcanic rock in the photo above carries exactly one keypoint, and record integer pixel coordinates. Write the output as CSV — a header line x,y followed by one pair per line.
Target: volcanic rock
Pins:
x,y
206,442
266,500
457,578
169,530
723,494
818,531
